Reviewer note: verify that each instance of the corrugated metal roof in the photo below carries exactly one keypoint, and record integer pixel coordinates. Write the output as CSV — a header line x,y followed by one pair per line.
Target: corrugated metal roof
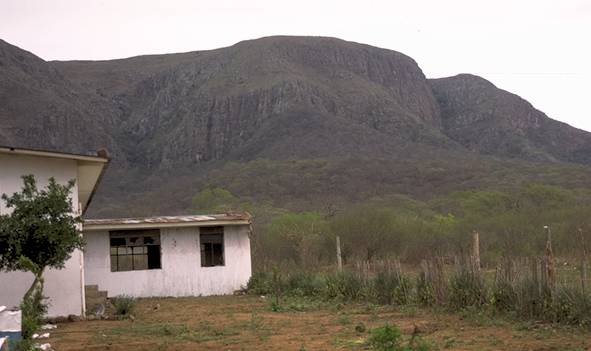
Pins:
x,y
239,218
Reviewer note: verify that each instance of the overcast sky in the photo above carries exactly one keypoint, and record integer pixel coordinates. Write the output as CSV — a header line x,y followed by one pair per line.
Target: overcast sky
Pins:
x,y
538,49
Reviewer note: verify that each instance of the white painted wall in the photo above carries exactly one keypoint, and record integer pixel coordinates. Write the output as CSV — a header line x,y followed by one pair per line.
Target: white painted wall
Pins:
x,y
62,287
181,273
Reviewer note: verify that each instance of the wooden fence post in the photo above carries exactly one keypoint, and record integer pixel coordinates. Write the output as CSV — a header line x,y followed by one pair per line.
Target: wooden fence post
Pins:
x,y
339,256
476,250
550,273
583,262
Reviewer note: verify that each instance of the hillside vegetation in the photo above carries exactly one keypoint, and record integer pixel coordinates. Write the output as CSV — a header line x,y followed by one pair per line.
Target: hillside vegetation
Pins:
x,y
296,122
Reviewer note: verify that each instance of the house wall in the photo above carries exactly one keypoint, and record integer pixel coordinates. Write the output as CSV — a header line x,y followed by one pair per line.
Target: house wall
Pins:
x,y
62,287
181,273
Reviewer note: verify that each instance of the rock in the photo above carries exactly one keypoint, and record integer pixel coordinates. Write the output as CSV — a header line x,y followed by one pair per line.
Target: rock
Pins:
x,y
73,318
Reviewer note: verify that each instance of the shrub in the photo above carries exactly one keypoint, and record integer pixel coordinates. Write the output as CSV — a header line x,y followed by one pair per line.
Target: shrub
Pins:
x,y
304,284
467,289
389,338
346,285
360,328
386,338
391,288
124,305
570,306
504,297
33,310
532,302
425,291
259,284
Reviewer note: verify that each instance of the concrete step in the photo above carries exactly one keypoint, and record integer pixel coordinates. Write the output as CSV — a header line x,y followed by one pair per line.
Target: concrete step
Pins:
x,y
95,297
95,301
90,288
99,294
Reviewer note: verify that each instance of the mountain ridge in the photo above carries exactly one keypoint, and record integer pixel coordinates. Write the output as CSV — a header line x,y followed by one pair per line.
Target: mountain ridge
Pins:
x,y
186,116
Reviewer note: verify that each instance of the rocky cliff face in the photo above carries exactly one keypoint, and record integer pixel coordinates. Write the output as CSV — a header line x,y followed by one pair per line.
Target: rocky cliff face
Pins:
x,y
208,105
168,119
492,121
39,107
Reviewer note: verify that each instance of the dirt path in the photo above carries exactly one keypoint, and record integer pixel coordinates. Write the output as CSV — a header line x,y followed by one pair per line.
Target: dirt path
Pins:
x,y
248,323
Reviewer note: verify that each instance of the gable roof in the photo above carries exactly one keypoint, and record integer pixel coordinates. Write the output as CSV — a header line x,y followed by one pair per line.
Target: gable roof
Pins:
x,y
90,168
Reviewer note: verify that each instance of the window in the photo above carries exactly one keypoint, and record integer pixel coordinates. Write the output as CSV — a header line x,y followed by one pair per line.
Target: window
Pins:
x,y
212,246
134,250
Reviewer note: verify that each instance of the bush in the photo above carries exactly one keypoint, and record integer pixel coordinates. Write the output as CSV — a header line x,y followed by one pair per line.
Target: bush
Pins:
x,y
346,286
531,302
32,310
467,289
124,305
391,288
504,297
425,291
386,338
259,284
570,307
304,284
389,338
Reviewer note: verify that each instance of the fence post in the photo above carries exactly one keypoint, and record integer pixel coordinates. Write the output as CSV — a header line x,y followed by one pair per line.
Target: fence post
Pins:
x,y
339,256
583,262
476,250
551,276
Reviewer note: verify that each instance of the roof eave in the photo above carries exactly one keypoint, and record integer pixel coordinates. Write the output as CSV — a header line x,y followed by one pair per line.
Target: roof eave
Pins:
x,y
98,181
123,226
52,154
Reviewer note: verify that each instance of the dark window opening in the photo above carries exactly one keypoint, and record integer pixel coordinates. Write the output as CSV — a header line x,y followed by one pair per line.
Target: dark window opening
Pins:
x,y
134,250
212,246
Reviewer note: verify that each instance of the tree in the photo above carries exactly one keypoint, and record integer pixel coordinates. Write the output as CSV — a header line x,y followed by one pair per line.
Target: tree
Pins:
x,y
40,233
215,199
299,237
367,231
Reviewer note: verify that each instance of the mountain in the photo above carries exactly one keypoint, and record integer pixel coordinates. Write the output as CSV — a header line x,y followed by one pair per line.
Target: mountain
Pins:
x,y
492,121
211,105
294,121
41,108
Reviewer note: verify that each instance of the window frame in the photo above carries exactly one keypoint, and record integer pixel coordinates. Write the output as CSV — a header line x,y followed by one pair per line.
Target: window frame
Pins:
x,y
211,231
127,235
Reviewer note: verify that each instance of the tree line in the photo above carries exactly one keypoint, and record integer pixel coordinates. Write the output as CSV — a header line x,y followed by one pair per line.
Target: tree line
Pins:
x,y
510,223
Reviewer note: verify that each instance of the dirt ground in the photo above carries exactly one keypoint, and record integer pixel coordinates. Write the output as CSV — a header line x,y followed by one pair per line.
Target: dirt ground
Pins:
x,y
249,323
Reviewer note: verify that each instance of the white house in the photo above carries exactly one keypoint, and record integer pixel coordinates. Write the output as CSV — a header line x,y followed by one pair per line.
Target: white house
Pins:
x,y
65,287
140,257
168,256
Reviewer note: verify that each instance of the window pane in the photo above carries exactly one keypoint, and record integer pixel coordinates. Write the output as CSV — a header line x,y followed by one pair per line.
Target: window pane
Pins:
x,y
212,238
125,263
206,253
135,249
140,262
148,240
117,241
153,256
113,263
218,255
